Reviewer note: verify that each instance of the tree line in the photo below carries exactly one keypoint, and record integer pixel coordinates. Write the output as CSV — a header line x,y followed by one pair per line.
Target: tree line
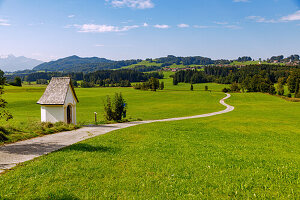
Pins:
x,y
254,78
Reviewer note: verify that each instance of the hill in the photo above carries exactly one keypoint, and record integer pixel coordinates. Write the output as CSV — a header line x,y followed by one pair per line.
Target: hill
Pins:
x,y
12,63
69,63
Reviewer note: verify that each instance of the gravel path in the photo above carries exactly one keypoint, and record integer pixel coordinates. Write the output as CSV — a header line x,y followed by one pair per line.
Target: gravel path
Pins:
x,y
13,154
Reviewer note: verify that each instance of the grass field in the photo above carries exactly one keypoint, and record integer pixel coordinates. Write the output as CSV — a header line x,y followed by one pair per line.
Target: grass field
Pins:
x,y
252,152
141,104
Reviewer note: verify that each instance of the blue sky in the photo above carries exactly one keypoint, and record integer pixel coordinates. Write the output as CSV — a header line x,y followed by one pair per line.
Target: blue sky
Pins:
x,y
125,29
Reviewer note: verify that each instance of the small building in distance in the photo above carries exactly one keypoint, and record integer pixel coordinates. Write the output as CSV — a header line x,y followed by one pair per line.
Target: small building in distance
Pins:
x,y
58,103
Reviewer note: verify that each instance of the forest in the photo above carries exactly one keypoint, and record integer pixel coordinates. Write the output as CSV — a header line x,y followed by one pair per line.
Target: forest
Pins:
x,y
121,78
254,78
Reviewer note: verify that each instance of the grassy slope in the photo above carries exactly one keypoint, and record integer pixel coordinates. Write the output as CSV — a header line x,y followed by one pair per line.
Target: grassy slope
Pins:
x,y
146,63
251,152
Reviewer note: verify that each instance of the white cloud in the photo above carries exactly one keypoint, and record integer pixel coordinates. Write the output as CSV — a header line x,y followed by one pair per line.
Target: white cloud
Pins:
x,y
95,28
233,27
161,26
202,27
138,4
221,23
145,25
260,19
183,25
4,22
99,45
241,1
292,17
71,16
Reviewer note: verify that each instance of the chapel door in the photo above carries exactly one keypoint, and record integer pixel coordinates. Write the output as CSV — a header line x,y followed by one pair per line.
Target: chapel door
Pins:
x,y
69,114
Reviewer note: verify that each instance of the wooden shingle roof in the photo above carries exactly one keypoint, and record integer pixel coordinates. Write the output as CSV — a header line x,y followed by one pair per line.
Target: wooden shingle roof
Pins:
x,y
56,91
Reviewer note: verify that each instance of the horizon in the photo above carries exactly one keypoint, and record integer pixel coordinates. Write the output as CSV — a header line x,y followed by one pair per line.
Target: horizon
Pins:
x,y
140,29
6,56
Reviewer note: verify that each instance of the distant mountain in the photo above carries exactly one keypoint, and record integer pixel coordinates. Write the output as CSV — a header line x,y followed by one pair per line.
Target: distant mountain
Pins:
x,y
70,63
11,63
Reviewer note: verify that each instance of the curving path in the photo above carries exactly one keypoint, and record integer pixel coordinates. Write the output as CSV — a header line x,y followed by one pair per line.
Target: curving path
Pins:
x,y
19,152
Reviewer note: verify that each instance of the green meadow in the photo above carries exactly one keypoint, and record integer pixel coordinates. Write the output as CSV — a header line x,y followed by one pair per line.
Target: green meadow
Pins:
x,y
252,152
142,105
174,101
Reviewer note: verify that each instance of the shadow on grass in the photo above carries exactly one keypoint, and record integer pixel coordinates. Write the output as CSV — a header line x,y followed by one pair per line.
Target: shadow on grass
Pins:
x,y
90,148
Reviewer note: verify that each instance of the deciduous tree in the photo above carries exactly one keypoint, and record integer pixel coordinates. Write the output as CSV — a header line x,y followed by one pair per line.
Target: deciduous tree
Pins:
x,y
4,114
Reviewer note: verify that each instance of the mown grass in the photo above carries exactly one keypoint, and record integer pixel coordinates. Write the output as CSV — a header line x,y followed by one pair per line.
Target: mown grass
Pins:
x,y
252,152
141,104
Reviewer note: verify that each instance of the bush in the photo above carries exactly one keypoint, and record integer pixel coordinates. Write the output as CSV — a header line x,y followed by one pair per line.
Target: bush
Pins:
x,y
235,87
226,90
3,133
115,110
289,95
3,137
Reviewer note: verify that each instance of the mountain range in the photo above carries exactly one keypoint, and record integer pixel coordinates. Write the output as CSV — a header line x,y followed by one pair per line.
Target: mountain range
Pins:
x,y
11,63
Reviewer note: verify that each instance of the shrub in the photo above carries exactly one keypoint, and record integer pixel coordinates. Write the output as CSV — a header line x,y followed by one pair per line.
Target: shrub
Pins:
x,y
226,90
3,137
289,95
235,87
3,133
115,109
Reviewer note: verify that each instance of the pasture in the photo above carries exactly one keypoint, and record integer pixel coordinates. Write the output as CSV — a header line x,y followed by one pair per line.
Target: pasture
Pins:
x,y
142,105
252,152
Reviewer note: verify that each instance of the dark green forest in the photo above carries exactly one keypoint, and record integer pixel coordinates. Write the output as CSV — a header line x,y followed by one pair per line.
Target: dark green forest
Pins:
x,y
253,78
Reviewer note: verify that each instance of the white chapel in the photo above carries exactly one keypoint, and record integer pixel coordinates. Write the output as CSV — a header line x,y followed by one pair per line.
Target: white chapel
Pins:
x,y
58,103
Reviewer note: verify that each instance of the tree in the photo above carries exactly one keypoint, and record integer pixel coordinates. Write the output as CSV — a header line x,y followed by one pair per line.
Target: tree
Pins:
x,y
17,82
235,87
3,111
115,109
162,85
175,82
74,82
280,88
297,90
154,83
206,88
192,87
291,82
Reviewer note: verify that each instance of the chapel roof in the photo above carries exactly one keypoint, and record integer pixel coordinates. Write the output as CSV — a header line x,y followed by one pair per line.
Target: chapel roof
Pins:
x,y
56,91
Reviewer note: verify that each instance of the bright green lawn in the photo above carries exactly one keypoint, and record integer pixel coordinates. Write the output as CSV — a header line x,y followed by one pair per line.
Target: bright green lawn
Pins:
x,y
252,152
141,104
